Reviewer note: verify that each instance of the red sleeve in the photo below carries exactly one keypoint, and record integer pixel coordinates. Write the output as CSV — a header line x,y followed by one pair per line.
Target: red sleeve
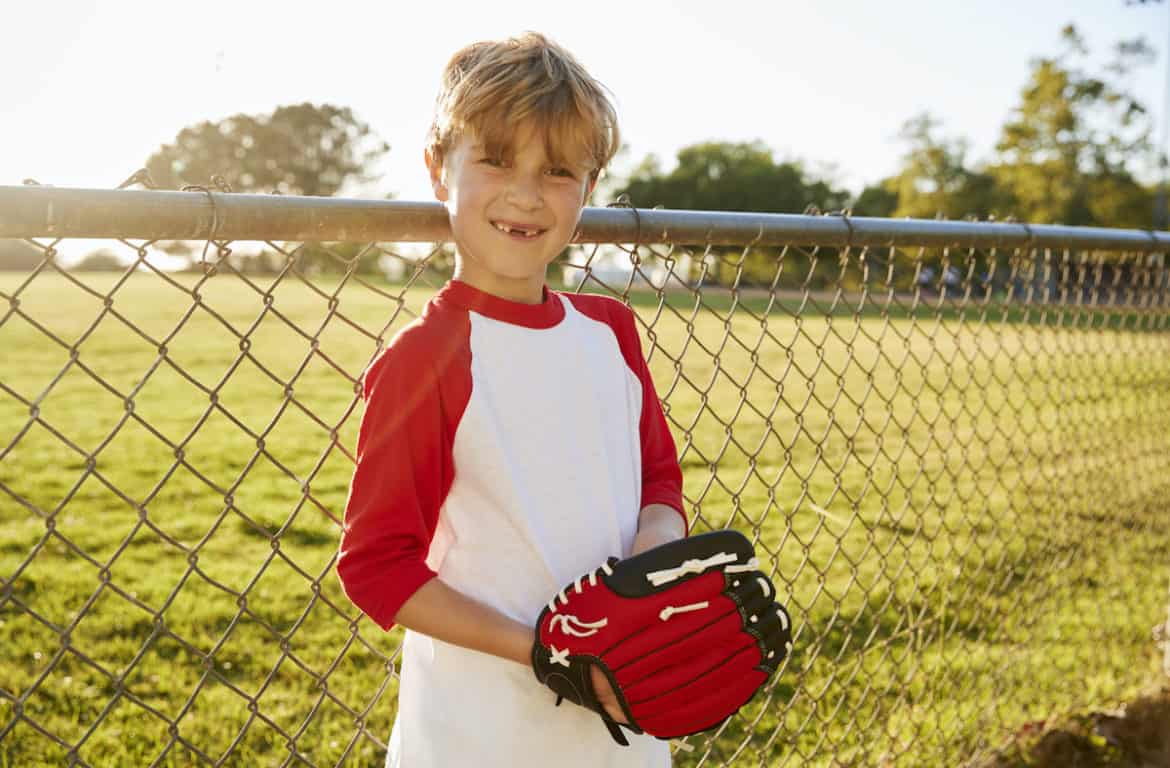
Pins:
x,y
404,471
661,474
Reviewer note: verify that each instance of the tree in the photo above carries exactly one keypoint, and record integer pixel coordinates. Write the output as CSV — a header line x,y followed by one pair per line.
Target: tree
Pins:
x,y
722,176
879,199
935,179
1070,151
19,256
101,260
301,149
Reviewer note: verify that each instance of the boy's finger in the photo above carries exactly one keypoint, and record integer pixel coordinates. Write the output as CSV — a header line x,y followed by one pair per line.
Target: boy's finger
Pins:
x,y
607,697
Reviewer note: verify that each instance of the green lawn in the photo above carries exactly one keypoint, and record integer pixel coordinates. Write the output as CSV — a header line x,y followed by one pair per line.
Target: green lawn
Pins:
x,y
966,508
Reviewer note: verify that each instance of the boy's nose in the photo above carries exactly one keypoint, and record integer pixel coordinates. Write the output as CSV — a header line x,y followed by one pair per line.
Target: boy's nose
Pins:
x,y
524,193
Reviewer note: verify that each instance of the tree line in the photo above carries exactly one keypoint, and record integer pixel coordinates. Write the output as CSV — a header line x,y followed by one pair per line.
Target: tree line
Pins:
x,y
1071,152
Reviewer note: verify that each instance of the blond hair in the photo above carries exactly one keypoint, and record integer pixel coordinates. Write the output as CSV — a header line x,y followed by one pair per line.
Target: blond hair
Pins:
x,y
490,88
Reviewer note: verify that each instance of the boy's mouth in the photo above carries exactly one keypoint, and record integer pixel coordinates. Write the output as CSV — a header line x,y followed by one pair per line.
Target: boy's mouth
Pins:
x,y
517,230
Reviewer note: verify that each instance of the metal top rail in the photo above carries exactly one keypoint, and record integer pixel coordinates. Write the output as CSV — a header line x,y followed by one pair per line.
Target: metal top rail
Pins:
x,y
42,211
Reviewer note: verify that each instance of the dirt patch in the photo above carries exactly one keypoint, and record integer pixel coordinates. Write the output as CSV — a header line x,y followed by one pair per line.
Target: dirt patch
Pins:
x,y
1134,736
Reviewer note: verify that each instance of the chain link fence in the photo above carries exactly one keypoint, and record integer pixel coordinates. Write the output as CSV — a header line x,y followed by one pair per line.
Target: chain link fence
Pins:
x,y
948,440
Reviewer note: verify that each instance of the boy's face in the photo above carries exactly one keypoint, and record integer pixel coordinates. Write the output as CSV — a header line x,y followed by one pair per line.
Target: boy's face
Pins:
x,y
510,217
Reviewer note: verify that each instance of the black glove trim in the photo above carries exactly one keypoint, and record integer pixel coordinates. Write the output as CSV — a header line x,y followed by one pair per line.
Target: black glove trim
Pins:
x,y
629,576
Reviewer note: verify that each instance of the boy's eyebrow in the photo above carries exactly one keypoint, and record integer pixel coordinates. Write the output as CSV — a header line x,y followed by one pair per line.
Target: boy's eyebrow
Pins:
x,y
483,147
584,165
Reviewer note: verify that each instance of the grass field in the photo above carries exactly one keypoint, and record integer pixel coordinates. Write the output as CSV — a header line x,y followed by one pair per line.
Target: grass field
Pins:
x,y
966,509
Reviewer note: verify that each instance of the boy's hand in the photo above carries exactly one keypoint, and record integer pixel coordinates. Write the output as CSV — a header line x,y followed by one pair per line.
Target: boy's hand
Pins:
x,y
606,696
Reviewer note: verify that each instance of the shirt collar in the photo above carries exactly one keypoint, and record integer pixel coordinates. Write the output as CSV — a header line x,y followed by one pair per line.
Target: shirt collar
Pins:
x,y
546,314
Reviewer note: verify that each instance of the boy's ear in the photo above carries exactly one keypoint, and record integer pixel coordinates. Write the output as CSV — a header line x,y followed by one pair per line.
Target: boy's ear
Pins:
x,y
434,161
589,187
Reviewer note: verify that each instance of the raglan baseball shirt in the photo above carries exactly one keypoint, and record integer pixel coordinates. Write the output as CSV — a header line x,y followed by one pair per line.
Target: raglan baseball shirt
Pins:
x,y
506,448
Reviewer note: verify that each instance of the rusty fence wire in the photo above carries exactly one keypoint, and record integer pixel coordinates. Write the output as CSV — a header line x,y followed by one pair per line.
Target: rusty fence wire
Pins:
x,y
948,439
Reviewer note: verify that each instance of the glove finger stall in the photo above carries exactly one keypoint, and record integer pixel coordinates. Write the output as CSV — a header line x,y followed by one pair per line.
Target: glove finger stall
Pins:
x,y
705,711
763,618
749,587
706,697
707,663
772,632
673,623
721,633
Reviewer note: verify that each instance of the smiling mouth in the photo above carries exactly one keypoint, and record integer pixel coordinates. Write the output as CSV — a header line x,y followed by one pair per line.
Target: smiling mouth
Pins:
x,y
524,233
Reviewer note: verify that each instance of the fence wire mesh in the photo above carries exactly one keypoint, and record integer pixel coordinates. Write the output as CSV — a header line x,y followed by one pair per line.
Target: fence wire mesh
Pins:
x,y
952,461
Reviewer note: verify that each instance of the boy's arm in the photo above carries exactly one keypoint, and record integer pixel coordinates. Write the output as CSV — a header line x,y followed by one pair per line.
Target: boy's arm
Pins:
x,y
415,393
658,524
446,614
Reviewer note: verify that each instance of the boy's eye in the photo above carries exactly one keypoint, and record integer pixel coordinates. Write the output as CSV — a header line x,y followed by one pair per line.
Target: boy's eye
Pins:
x,y
495,162
563,172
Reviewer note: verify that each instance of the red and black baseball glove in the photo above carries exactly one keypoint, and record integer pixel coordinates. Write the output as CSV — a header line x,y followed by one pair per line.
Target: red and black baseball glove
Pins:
x,y
686,633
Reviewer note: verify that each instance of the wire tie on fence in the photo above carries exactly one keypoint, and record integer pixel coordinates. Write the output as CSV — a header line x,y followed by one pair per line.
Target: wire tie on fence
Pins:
x,y
220,184
623,201
751,243
141,176
1154,240
844,215
1030,243
812,209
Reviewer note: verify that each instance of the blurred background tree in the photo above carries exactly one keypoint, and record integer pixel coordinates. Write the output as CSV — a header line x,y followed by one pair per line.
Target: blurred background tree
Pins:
x,y
101,260
936,179
725,176
19,256
1071,150
300,149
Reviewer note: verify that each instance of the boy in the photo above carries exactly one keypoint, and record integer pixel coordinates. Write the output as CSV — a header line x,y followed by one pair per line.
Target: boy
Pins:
x,y
512,439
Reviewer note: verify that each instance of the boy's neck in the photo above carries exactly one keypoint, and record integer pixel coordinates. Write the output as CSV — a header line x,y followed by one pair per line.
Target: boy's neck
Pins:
x,y
523,290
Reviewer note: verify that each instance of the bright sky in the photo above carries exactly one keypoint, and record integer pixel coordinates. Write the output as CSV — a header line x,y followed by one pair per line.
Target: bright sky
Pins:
x,y
90,90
